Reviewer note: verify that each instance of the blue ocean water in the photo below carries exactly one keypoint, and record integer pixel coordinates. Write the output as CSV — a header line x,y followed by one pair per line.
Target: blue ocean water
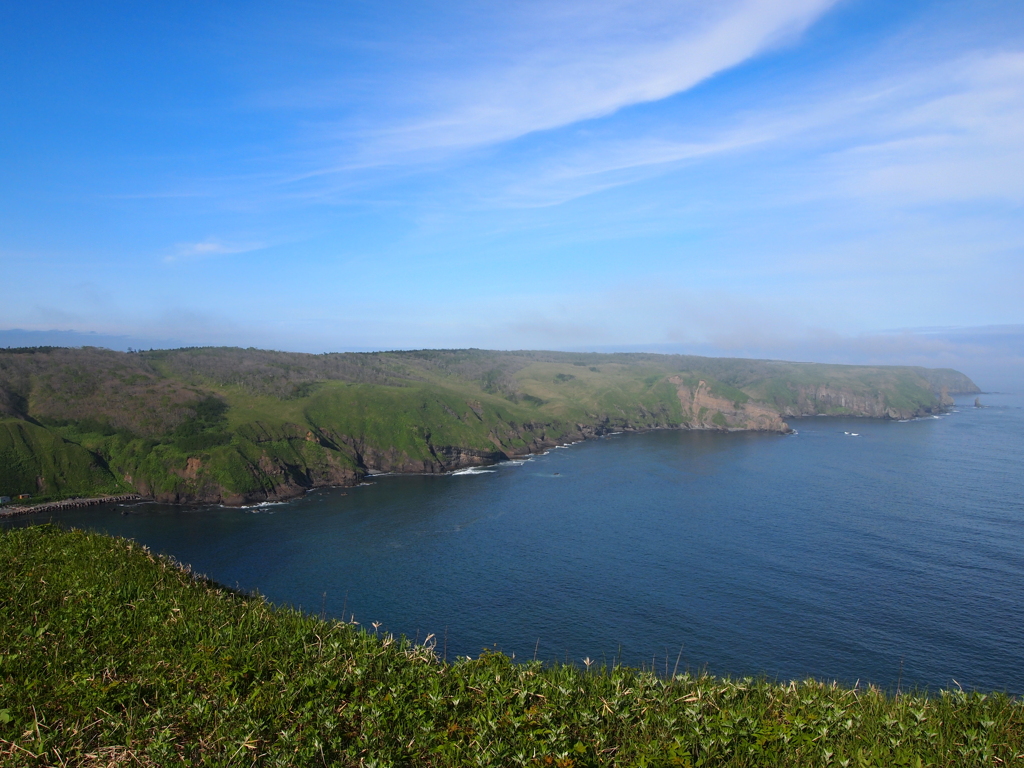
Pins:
x,y
883,552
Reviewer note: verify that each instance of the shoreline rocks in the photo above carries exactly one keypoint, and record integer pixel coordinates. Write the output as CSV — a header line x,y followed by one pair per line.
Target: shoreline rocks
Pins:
x,y
53,506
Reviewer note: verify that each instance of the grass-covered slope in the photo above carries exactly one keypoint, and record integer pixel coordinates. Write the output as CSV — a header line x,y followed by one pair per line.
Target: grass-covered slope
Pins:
x,y
111,656
36,460
216,424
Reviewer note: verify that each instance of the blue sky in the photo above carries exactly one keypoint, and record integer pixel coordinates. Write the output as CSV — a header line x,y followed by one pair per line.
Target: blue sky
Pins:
x,y
796,178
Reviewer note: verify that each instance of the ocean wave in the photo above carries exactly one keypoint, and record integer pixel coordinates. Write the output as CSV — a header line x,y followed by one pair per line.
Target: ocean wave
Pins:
x,y
261,505
473,471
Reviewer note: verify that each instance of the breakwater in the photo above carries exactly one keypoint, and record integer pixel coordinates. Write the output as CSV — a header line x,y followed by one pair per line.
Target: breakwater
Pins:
x,y
54,506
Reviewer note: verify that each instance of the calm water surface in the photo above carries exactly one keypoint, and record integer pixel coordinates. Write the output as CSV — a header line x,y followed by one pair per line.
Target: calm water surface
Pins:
x,y
893,554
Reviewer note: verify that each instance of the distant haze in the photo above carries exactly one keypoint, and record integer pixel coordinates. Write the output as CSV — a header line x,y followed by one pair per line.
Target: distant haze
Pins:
x,y
826,180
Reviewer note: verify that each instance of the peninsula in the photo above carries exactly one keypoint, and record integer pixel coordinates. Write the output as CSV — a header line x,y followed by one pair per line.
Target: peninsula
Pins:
x,y
229,425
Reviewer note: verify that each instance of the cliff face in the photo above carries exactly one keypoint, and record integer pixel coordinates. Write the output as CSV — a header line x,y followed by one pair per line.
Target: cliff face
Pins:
x,y
375,459
702,409
827,400
947,380
235,426
270,479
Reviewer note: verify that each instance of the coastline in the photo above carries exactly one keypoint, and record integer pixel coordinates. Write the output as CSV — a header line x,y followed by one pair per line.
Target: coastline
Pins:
x,y
73,503
287,492
304,421
542,446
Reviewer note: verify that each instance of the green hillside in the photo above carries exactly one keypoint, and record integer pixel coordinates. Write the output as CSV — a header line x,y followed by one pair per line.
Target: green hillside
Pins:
x,y
231,425
111,656
38,461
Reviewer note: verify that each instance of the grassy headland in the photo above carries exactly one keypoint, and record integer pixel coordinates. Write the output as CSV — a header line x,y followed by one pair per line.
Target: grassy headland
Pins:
x,y
226,424
111,656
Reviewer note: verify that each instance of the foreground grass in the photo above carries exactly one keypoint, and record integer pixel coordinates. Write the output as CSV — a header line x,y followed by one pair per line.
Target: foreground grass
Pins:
x,y
111,656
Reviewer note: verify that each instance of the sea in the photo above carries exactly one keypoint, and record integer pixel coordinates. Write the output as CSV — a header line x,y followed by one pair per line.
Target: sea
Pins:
x,y
855,550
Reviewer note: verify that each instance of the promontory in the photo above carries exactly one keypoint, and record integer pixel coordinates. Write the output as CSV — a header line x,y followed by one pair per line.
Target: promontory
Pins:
x,y
236,425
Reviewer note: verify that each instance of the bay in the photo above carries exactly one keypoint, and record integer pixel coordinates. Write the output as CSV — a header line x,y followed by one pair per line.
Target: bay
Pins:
x,y
883,552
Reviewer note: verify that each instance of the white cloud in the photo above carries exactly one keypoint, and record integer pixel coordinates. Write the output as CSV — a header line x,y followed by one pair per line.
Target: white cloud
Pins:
x,y
961,138
580,62
950,132
209,248
947,131
607,164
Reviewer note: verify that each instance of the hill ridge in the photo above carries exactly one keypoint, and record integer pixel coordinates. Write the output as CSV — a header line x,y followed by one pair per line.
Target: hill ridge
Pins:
x,y
231,425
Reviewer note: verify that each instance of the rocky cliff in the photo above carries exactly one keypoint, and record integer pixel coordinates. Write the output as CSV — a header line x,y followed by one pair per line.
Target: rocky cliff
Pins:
x,y
825,400
235,426
703,409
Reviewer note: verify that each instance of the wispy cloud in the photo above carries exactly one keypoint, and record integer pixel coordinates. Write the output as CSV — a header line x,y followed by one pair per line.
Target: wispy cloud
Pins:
x,y
607,164
959,138
594,72
538,66
949,132
210,248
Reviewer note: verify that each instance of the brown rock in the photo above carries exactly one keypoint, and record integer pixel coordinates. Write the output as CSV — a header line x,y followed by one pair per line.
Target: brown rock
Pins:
x,y
192,467
702,409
